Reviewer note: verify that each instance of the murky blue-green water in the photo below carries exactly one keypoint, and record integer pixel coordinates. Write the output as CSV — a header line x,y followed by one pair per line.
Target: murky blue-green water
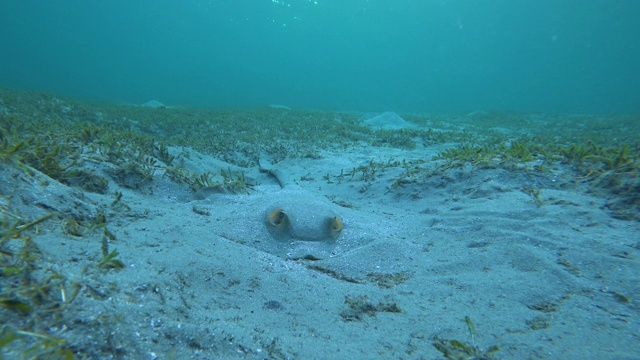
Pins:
x,y
401,55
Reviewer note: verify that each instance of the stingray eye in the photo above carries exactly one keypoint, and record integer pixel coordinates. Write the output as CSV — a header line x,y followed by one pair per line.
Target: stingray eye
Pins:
x,y
336,225
277,218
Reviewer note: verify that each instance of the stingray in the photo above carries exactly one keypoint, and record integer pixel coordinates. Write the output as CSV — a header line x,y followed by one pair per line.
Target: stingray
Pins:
x,y
288,221
388,121
154,104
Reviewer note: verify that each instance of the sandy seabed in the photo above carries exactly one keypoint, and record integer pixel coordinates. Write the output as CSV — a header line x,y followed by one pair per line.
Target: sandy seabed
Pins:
x,y
551,276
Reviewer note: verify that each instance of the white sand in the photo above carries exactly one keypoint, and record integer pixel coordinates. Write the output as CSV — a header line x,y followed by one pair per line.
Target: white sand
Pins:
x,y
540,282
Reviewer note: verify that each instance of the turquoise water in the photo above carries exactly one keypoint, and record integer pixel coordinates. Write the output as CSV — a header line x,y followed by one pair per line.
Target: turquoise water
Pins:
x,y
577,56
